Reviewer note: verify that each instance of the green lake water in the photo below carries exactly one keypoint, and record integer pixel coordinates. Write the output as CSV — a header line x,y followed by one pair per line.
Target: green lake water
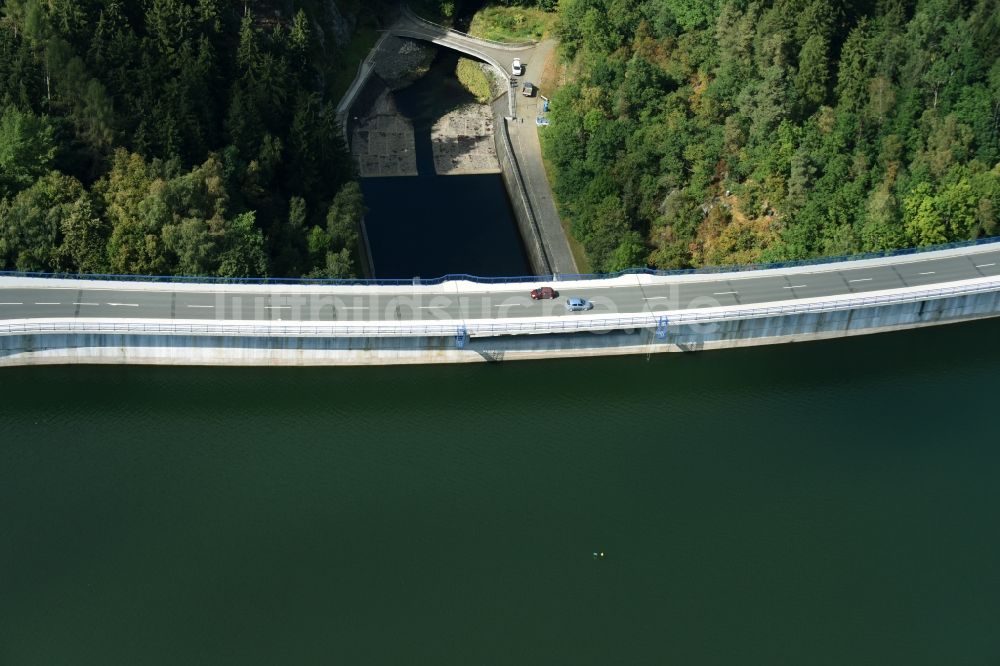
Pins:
x,y
822,503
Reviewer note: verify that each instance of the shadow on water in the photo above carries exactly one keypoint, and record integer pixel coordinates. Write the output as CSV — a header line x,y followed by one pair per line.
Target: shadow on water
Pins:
x,y
432,225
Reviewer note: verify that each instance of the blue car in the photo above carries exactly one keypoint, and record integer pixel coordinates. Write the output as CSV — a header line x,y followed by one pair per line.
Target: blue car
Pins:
x,y
578,304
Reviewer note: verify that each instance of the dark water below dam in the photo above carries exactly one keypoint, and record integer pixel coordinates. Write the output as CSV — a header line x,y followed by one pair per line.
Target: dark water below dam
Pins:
x,y
825,503
431,225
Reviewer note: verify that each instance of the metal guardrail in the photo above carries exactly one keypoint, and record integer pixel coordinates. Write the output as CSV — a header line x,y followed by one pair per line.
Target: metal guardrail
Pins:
x,y
451,277
652,319
484,328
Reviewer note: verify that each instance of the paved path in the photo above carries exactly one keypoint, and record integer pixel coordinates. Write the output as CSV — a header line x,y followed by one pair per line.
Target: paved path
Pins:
x,y
82,300
528,150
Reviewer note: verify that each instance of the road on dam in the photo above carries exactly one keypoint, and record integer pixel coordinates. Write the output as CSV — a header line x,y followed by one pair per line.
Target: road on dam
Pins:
x,y
44,298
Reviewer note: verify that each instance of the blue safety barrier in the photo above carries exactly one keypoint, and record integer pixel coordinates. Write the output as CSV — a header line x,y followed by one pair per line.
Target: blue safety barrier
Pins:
x,y
661,328
734,268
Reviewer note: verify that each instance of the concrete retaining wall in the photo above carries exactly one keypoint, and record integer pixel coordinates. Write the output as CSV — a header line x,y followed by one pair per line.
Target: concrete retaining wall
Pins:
x,y
527,225
208,350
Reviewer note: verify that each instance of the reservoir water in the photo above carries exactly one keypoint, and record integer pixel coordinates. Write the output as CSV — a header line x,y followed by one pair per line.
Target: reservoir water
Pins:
x,y
431,225
821,503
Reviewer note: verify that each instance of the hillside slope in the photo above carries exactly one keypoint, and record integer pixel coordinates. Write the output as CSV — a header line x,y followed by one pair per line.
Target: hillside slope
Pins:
x,y
719,131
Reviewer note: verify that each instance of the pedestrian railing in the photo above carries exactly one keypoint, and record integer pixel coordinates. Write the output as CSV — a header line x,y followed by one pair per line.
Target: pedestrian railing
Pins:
x,y
655,319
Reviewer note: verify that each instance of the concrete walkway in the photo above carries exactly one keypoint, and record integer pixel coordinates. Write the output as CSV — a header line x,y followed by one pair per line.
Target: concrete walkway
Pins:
x,y
528,150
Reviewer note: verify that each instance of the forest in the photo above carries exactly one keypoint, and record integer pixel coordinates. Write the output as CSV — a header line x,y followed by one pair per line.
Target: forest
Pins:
x,y
198,137
702,132
174,137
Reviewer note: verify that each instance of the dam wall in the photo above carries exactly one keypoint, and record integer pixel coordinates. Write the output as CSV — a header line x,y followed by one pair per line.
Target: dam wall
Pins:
x,y
513,179
44,348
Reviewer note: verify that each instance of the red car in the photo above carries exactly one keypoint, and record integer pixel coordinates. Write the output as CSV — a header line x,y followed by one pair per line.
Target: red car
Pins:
x,y
544,292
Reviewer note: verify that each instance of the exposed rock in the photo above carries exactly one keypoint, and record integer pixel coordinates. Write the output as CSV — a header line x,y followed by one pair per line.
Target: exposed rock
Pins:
x,y
334,30
498,84
341,26
401,61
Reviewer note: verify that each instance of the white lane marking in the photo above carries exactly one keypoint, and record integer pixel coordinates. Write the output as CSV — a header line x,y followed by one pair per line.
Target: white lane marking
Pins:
x,y
48,303
90,304
277,307
11,303
926,273
354,308
795,286
724,293
985,265
656,298
861,280
511,305
124,305
201,306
